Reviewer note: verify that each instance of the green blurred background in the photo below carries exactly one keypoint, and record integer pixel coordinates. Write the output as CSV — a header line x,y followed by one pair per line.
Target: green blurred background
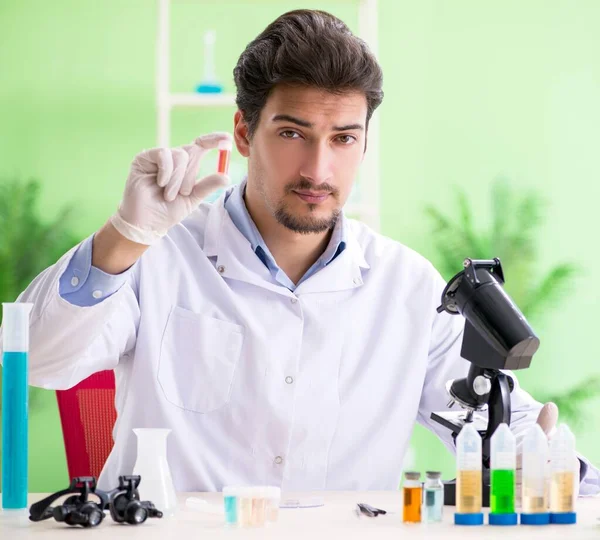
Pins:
x,y
474,90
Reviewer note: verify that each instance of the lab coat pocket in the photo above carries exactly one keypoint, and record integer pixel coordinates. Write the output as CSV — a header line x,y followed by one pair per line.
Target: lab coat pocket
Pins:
x,y
198,358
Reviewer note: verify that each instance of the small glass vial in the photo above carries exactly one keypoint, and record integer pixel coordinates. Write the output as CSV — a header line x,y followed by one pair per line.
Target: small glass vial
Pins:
x,y
272,500
433,498
245,507
534,487
258,506
231,503
503,472
412,498
225,148
468,477
562,477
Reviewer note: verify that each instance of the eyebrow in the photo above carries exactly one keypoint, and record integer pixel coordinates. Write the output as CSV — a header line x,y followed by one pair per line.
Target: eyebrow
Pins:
x,y
304,123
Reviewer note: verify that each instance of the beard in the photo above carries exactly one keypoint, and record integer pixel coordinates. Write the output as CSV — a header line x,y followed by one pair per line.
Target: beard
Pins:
x,y
308,224
305,224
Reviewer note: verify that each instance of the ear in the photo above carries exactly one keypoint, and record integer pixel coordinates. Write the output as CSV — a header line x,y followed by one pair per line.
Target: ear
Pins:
x,y
240,134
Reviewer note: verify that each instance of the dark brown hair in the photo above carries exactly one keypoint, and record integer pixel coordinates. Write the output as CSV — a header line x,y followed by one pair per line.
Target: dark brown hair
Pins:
x,y
310,48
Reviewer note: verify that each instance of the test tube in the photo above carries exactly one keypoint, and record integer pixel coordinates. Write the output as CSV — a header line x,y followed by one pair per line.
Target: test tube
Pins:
x,y
258,506
412,494
245,507
15,402
468,477
503,471
433,498
562,476
225,148
230,502
272,499
534,500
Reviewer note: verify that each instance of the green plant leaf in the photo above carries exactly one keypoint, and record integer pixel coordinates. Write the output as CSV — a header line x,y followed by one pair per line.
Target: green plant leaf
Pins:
x,y
550,289
28,242
571,403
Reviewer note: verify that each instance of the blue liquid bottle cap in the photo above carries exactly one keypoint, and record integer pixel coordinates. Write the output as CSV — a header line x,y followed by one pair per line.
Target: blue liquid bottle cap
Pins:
x,y
564,518
468,519
535,519
502,519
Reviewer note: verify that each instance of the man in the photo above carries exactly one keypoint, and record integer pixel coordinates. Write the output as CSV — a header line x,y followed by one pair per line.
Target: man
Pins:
x,y
279,341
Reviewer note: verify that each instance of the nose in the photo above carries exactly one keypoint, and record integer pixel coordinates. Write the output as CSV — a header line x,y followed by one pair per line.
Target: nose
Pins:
x,y
317,164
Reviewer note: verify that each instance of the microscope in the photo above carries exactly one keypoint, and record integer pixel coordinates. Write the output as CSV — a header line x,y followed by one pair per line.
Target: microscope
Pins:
x,y
496,337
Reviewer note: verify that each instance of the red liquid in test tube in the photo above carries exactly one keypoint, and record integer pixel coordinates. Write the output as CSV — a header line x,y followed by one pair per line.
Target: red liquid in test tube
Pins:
x,y
224,155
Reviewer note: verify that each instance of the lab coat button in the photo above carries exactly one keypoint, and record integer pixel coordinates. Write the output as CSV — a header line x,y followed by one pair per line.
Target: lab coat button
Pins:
x,y
74,281
97,294
220,269
278,460
289,380
293,300
356,281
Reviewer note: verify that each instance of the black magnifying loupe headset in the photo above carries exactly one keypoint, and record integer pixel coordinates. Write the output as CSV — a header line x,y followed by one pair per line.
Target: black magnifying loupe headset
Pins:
x,y
76,509
123,503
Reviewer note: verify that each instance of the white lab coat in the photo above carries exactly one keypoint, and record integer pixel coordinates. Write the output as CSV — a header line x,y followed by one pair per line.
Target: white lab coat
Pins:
x,y
316,389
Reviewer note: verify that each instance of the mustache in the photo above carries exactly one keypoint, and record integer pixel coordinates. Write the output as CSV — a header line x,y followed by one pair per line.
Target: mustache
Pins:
x,y
305,185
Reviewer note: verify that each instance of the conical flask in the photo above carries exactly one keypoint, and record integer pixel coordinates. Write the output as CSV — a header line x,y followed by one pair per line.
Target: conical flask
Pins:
x,y
151,464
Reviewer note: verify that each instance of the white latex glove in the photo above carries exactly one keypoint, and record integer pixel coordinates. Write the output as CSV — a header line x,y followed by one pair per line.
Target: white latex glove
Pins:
x,y
162,190
547,420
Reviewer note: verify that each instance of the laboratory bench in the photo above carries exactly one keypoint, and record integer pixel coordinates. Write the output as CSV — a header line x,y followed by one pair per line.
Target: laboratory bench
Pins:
x,y
336,519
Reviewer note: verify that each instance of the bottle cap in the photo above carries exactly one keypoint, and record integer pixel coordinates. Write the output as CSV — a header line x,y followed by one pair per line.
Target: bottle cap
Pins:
x,y
542,518
225,145
502,519
434,475
411,475
230,491
563,518
468,519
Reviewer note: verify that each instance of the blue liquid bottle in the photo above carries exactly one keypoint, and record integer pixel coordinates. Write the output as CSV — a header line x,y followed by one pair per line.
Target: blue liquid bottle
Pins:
x,y
15,401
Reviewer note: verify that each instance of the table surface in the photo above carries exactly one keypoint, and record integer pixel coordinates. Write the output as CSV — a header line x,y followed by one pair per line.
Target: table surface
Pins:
x,y
335,519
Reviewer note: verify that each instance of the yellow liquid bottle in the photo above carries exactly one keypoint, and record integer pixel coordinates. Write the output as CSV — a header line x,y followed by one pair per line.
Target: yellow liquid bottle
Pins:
x,y
562,477
534,493
468,477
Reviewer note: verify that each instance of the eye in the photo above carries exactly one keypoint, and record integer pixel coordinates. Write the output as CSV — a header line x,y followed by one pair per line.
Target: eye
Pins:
x,y
289,134
347,139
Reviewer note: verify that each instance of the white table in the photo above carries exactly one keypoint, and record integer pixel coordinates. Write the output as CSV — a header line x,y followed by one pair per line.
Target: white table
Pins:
x,y
335,520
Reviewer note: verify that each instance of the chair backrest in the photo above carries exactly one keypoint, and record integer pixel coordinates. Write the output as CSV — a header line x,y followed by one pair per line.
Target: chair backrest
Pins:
x,y
87,414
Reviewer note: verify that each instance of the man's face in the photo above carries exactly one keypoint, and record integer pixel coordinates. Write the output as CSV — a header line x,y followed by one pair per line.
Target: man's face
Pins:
x,y
305,154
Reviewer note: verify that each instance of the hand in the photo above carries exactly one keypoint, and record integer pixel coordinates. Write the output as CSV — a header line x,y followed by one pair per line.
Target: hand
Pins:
x,y
547,419
161,189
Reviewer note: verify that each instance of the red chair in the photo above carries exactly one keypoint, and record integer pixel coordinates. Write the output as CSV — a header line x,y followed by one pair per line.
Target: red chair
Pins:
x,y
87,414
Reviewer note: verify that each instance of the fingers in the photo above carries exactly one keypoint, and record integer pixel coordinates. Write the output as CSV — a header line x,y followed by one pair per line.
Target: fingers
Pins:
x,y
176,169
195,152
548,418
212,140
207,185
164,161
189,180
180,165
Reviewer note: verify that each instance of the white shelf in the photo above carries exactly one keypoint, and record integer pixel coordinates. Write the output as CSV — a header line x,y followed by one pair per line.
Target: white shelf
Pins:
x,y
201,100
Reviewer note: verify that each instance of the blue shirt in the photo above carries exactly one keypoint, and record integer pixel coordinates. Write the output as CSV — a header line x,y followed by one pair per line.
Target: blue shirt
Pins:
x,y
85,285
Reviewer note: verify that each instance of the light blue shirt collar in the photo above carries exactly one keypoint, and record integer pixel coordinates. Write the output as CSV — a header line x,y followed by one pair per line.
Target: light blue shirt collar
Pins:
x,y
236,207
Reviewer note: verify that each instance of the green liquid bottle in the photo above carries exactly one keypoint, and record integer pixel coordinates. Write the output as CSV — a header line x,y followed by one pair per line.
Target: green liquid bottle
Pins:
x,y
502,495
503,465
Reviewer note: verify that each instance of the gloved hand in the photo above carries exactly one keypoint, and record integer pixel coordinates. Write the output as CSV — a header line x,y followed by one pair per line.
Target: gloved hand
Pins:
x,y
161,189
547,419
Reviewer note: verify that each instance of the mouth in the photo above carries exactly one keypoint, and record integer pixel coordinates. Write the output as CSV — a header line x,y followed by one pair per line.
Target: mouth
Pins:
x,y
312,197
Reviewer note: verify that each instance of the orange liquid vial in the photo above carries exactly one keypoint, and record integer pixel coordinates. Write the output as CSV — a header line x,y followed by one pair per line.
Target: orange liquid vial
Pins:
x,y
412,498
